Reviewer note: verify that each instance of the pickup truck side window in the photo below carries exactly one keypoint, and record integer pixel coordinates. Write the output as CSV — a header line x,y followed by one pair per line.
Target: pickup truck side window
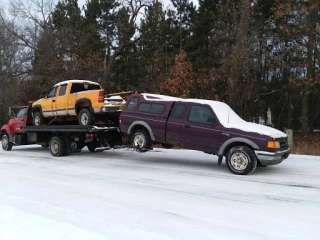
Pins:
x,y
178,111
21,113
157,108
63,89
52,93
200,114
133,103
144,107
154,108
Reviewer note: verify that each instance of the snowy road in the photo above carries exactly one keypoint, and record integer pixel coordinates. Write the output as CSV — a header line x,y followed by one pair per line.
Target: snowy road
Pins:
x,y
161,194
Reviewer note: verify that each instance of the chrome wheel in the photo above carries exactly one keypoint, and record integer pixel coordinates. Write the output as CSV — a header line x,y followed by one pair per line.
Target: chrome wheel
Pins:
x,y
239,161
54,147
139,140
37,120
5,142
84,119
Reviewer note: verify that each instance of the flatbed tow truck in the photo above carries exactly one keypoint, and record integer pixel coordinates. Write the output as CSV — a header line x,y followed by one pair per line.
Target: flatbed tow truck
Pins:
x,y
60,139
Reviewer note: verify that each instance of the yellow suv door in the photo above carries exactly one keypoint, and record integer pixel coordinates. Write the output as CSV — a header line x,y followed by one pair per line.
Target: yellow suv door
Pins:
x,y
60,103
47,103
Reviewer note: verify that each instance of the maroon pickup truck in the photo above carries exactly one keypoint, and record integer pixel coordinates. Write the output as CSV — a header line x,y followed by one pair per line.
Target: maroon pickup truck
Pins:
x,y
204,125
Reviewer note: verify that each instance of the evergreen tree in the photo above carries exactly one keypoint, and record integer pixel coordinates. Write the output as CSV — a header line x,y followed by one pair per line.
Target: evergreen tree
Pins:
x,y
181,19
202,42
156,52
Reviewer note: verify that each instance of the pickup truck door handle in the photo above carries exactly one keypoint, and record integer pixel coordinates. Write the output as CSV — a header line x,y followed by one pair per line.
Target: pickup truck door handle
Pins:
x,y
187,126
53,100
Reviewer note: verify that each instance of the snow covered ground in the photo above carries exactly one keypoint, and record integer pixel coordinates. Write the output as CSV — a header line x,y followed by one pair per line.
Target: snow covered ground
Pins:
x,y
163,194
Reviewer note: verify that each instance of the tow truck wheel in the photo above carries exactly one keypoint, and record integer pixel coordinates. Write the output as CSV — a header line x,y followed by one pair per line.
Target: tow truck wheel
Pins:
x,y
57,146
6,144
37,119
241,160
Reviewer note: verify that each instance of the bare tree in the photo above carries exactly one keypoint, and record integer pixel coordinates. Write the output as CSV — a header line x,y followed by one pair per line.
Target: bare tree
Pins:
x,y
30,18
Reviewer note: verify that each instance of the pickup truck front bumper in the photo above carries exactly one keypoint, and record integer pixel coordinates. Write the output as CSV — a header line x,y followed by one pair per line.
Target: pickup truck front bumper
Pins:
x,y
272,158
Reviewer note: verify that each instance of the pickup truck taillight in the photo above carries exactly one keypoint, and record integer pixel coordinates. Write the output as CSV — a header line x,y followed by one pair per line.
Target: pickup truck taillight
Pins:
x,y
101,97
120,119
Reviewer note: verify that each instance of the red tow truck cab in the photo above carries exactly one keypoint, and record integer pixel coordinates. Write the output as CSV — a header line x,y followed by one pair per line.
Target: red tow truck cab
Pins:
x,y
19,116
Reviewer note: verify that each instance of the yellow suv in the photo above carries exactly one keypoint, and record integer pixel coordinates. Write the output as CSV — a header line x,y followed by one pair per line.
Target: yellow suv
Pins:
x,y
70,100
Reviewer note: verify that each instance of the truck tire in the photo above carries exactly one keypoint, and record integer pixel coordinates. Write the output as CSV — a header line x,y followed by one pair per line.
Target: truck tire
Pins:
x,y
141,139
85,117
38,119
57,146
6,144
241,160
92,146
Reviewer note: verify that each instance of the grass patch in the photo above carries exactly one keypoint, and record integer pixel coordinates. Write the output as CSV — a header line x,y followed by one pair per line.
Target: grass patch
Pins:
x,y
307,146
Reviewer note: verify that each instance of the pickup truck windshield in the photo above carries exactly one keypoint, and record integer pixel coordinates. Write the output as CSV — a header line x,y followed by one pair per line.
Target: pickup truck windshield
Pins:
x,y
81,87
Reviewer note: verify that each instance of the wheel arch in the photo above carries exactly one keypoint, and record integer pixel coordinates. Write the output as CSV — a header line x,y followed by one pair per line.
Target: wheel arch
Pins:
x,y
37,108
140,125
233,142
6,130
3,132
82,103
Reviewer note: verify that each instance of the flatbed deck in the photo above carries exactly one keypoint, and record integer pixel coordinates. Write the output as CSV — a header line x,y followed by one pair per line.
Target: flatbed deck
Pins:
x,y
69,129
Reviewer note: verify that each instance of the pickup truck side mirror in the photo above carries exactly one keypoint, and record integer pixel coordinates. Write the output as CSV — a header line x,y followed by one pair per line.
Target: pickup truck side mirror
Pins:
x,y
211,120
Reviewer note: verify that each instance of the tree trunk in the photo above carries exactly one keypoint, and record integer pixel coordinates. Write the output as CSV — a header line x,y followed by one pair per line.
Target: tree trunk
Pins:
x,y
312,23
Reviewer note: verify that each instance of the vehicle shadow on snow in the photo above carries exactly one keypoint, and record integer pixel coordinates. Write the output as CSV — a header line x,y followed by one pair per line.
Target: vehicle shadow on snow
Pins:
x,y
30,149
161,158
154,158
199,162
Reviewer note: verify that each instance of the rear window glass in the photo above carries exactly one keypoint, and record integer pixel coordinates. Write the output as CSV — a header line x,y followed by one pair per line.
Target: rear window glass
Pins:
x,y
133,103
81,87
152,108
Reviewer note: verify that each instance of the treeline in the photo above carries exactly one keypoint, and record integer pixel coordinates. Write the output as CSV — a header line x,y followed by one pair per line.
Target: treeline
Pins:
x,y
252,54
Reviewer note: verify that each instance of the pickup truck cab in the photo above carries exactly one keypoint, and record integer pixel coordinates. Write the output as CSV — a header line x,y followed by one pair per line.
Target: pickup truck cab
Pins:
x,y
11,132
70,100
204,125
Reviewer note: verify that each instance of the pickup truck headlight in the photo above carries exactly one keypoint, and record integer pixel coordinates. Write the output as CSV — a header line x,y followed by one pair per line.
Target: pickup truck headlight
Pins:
x,y
273,144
